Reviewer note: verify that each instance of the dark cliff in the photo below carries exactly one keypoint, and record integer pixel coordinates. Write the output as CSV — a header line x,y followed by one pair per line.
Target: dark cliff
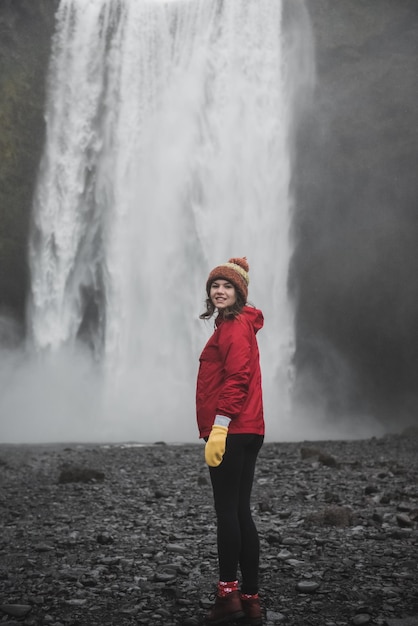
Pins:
x,y
26,28
356,224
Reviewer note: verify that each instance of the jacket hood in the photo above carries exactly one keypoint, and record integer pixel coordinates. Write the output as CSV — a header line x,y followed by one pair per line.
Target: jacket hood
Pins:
x,y
253,315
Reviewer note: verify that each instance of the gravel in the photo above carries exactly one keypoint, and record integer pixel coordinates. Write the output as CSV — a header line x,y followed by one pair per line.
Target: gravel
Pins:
x,y
125,534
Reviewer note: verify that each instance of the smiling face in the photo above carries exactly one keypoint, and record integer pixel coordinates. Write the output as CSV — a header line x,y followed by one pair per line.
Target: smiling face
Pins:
x,y
222,294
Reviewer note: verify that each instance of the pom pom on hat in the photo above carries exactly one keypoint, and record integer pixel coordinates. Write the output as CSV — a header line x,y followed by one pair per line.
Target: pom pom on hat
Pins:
x,y
235,271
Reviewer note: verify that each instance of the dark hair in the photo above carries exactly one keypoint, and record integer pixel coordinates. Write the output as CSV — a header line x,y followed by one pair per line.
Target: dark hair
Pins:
x,y
228,313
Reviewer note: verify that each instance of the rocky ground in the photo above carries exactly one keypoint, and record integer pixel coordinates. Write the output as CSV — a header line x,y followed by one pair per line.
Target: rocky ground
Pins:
x,y
106,535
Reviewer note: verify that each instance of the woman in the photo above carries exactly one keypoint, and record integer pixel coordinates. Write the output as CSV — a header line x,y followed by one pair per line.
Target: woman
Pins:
x,y
229,410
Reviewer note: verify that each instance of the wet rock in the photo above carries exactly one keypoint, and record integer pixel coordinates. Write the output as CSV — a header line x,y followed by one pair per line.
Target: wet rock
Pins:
x,y
285,555
404,507
80,475
274,617
338,516
307,452
266,506
404,521
370,489
273,538
104,539
315,454
15,610
361,618
164,577
332,497
307,586
177,548
328,460
160,493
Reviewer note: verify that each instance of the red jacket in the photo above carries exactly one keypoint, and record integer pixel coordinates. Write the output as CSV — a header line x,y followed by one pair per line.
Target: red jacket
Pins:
x,y
229,378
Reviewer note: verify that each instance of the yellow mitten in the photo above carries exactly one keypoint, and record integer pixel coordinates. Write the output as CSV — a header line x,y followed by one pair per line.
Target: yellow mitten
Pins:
x,y
215,445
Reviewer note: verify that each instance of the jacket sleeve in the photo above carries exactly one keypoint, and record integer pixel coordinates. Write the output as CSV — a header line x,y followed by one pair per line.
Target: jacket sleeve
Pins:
x,y
235,345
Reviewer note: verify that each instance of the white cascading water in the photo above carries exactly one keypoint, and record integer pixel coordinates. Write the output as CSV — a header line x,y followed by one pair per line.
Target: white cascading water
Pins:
x,y
167,152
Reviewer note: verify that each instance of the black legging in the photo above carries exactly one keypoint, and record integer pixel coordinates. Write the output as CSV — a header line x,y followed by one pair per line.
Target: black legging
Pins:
x,y
232,482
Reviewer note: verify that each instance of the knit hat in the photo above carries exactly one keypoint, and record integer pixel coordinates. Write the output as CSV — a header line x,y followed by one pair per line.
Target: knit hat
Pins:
x,y
235,271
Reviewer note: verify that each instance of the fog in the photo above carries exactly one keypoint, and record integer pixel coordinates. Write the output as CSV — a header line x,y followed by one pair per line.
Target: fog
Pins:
x,y
59,398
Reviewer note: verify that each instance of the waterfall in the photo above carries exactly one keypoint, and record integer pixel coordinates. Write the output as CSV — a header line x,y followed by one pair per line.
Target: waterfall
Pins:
x,y
167,151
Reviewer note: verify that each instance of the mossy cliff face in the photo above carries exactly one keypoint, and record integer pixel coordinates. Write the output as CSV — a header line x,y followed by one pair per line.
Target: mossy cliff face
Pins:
x,y
25,36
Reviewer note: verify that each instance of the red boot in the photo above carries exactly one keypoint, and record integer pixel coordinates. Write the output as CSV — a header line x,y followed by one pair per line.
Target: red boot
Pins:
x,y
252,610
225,609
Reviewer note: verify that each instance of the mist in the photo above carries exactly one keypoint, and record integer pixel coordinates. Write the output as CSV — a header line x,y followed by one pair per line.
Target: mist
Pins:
x,y
58,397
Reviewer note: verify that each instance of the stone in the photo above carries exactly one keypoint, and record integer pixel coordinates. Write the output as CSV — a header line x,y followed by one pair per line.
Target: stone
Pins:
x,y
307,586
104,539
404,521
15,610
80,475
361,618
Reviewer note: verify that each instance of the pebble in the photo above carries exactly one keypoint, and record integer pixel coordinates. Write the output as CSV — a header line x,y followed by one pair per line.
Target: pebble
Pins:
x,y
295,562
104,539
76,602
163,577
274,617
177,548
284,555
361,618
307,586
